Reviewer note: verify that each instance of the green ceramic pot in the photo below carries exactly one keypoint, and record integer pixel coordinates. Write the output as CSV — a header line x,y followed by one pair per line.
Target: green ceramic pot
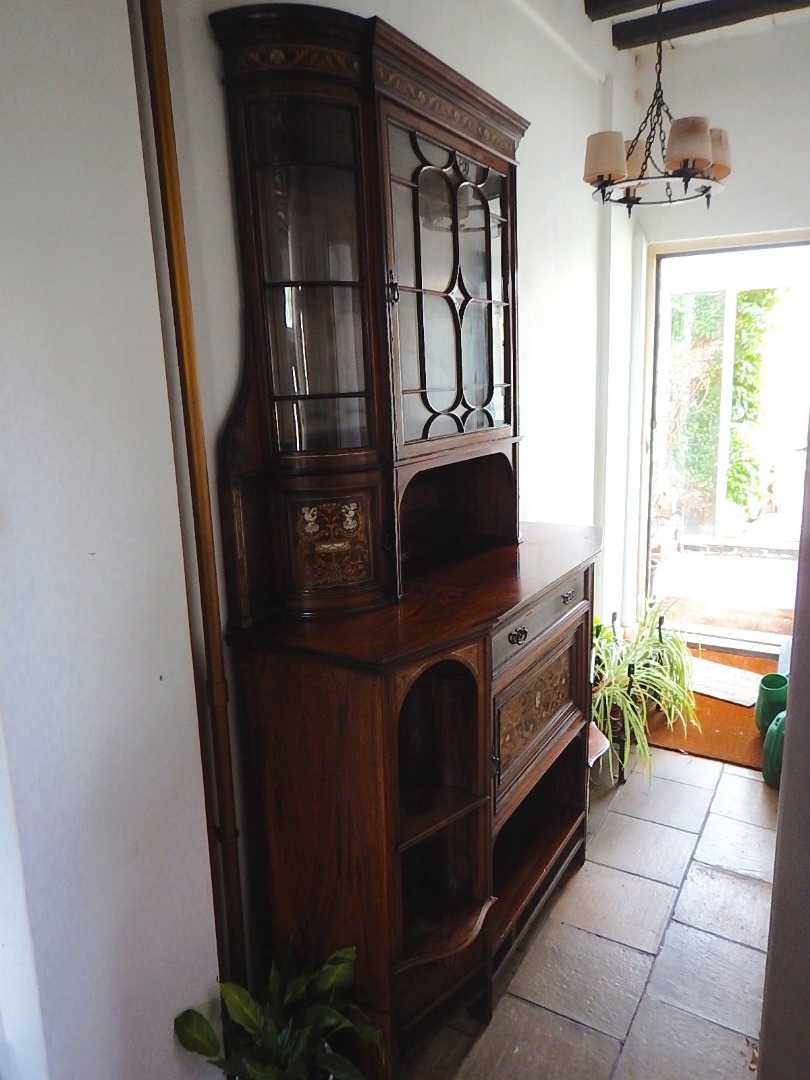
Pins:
x,y
771,699
772,751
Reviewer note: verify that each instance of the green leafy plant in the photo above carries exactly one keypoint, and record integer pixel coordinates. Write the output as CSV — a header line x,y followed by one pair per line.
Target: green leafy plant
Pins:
x,y
652,671
285,1036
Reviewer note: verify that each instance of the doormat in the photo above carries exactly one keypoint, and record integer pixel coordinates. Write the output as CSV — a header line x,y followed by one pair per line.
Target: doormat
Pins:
x,y
728,731
724,682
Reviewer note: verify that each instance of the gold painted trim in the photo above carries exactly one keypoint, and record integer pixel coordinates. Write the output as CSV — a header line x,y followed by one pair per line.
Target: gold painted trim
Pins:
x,y
410,93
214,727
285,57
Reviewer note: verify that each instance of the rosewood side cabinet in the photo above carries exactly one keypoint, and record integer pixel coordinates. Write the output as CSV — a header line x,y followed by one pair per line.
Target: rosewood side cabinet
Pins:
x,y
413,672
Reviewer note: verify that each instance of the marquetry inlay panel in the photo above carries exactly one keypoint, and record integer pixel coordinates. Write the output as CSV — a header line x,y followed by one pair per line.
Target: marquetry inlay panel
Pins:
x,y
331,542
524,716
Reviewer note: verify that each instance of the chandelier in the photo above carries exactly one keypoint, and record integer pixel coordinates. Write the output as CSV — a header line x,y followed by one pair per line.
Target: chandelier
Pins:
x,y
654,168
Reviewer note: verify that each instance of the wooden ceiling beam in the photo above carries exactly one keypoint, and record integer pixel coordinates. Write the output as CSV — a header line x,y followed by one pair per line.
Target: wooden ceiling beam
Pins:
x,y
609,9
696,18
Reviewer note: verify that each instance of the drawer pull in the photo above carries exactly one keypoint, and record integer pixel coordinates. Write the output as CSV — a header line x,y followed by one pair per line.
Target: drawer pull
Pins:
x,y
517,637
567,597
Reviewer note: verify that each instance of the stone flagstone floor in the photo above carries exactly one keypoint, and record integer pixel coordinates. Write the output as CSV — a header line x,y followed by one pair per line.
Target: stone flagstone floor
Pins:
x,y
648,963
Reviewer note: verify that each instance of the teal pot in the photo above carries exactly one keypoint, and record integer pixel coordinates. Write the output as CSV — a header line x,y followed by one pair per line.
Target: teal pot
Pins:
x,y
771,700
772,751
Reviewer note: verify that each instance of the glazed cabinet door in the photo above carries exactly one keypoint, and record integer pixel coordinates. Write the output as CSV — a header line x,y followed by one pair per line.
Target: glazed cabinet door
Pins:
x,y
450,285
308,209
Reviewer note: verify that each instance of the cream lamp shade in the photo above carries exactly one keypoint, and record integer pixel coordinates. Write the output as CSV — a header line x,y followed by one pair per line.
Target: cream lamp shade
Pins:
x,y
721,157
689,145
604,158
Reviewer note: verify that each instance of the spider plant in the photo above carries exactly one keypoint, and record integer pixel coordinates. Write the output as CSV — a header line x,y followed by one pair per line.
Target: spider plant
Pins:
x,y
652,671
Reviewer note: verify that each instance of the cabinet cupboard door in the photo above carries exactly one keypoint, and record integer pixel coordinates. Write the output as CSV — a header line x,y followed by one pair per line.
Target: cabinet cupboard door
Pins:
x,y
534,711
451,319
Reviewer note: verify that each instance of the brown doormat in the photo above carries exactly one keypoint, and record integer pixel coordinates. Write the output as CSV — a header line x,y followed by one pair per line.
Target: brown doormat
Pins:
x,y
728,732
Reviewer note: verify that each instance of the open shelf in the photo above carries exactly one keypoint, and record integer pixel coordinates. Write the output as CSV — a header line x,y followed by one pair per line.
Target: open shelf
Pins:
x,y
541,835
447,938
426,810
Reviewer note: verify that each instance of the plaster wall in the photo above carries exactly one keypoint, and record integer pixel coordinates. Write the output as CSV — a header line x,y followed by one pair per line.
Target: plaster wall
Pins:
x,y
106,895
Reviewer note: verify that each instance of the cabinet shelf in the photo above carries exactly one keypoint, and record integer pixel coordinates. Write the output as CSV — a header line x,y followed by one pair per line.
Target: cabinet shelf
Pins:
x,y
426,810
446,937
523,871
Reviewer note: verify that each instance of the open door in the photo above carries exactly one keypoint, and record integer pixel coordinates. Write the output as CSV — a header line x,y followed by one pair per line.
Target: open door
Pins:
x,y
729,437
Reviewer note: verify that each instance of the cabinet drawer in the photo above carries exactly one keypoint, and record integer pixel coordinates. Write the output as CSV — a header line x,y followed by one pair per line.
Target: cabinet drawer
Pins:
x,y
519,630
531,712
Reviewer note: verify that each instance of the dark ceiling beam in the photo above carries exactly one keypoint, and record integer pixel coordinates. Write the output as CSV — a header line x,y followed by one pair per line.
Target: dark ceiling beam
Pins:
x,y
695,19
609,9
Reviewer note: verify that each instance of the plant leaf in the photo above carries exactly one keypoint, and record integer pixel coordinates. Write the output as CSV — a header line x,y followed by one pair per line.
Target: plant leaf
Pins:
x,y
337,972
242,1008
340,1067
196,1034
325,1018
254,1071
367,1031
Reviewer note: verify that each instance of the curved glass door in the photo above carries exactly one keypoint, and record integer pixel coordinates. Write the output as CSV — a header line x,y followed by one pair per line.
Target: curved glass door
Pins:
x,y
306,189
448,226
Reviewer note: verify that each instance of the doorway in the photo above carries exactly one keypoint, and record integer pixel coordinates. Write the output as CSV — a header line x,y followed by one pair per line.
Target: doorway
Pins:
x,y
731,396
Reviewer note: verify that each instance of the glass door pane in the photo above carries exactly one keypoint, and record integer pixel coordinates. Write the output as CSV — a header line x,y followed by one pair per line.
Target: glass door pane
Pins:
x,y
729,440
448,327
311,241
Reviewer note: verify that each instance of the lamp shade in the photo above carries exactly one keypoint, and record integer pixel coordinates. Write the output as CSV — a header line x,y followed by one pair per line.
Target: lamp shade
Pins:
x,y
721,157
604,158
689,145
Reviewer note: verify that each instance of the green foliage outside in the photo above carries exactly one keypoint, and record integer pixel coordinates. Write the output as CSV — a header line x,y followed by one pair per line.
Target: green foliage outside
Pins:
x,y
694,429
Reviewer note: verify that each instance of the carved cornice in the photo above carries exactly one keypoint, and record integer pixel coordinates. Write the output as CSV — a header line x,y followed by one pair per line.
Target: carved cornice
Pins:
x,y
272,57
404,89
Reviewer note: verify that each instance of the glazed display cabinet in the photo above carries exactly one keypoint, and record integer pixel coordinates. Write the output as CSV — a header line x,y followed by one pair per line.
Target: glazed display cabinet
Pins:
x,y
413,679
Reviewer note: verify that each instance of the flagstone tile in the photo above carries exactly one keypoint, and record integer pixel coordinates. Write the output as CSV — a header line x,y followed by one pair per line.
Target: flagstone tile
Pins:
x,y
746,800
686,768
441,1055
524,1042
667,802
643,847
613,904
731,906
737,846
718,980
666,1043
584,977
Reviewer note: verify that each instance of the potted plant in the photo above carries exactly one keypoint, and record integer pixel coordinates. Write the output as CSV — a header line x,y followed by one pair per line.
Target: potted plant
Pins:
x,y
633,678
285,1036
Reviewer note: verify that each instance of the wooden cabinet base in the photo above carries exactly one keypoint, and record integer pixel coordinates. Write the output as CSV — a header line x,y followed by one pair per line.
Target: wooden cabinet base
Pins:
x,y
383,809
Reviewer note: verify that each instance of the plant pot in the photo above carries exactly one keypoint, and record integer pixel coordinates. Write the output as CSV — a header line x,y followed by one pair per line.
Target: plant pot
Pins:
x,y
771,700
772,751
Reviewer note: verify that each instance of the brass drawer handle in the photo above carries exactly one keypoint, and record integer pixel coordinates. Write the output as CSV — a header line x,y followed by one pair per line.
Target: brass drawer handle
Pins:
x,y
517,637
567,597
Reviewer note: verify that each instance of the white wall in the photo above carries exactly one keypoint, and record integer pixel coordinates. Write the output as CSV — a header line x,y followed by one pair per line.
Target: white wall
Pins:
x,y
109,880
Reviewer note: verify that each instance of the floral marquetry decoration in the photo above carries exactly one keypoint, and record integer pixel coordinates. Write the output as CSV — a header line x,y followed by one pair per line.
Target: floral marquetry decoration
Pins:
x,y
528,714
331,543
